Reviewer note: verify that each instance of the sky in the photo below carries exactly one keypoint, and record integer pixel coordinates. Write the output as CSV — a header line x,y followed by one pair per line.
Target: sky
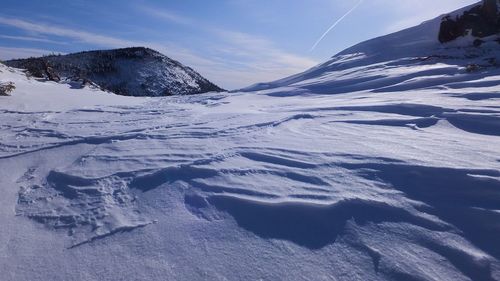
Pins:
x,y
233,43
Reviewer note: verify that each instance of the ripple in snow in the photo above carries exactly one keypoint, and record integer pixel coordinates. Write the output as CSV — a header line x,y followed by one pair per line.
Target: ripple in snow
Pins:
x,y
89,209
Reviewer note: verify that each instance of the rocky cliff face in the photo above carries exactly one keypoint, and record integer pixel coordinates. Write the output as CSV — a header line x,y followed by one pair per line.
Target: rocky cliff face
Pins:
x,y
481,21
130,72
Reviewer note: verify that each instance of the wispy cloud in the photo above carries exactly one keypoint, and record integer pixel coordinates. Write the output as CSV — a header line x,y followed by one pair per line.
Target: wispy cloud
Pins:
x,y
81,36
166,15
260,53
10,53
97,39
245,57
32,39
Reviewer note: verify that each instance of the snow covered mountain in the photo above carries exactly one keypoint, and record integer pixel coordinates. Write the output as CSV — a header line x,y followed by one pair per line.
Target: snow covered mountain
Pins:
x,y
129,72
381,164
407,60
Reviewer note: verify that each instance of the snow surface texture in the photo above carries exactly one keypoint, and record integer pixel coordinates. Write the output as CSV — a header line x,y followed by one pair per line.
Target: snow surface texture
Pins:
x,y
368,167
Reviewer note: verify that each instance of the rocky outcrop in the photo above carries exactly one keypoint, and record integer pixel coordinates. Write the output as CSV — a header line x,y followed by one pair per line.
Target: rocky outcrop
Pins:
x,y
6,88
481,21
130,72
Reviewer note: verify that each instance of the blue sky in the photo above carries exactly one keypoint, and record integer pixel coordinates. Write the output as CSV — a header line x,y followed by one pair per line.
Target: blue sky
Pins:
x,y
234,43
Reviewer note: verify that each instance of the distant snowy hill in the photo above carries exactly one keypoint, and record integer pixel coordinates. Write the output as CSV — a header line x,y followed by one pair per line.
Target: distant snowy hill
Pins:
x,y
380,164
406,60
128,72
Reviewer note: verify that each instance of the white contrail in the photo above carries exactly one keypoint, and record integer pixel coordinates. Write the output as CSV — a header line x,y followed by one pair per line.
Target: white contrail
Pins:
x,y
335,24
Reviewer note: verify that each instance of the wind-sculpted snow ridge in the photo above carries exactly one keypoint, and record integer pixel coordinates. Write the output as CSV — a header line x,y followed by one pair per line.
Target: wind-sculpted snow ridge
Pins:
x,y
88,208
368,186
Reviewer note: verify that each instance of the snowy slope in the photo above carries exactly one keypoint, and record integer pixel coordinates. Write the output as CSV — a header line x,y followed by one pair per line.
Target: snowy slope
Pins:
x,y
406,60
129,72
394,177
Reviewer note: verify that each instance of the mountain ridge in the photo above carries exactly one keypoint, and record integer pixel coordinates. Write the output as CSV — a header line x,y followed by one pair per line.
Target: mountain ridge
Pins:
x,y
134,71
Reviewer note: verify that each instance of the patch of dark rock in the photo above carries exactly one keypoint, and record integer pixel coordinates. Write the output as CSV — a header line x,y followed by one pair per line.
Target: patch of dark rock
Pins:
x,y
481,21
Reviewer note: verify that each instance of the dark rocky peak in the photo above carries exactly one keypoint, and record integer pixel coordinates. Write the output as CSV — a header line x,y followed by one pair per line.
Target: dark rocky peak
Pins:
x,y
480,21
136,71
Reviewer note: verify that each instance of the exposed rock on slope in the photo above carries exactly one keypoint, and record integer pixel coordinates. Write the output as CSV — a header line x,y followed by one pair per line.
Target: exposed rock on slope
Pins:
x,y
129,72
481,21
6,88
